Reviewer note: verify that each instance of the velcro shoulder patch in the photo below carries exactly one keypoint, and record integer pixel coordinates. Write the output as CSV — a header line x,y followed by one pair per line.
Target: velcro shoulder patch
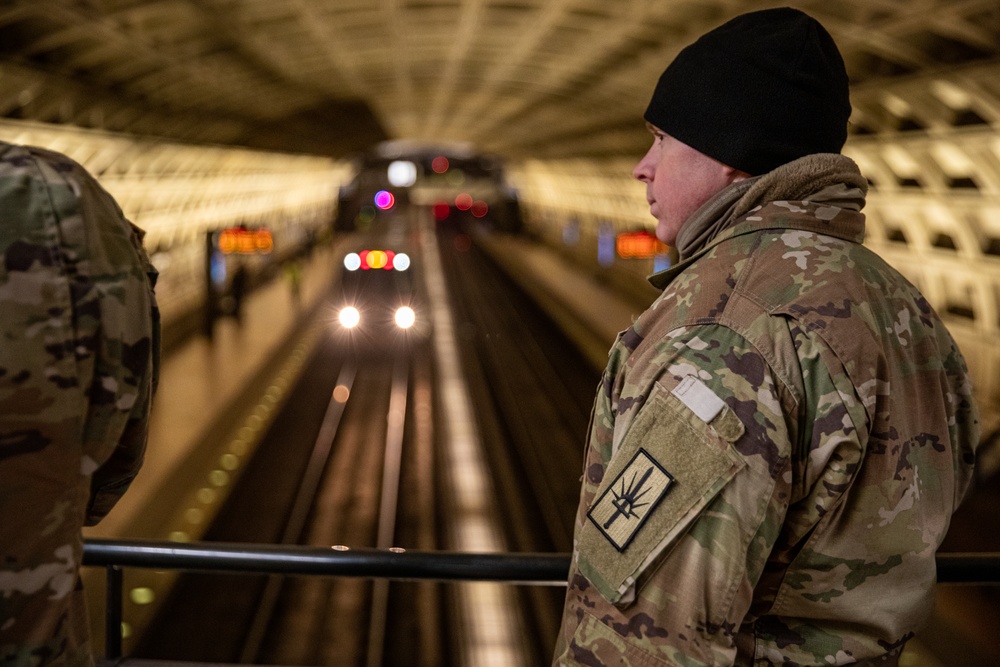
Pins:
x,y
625,505
671,465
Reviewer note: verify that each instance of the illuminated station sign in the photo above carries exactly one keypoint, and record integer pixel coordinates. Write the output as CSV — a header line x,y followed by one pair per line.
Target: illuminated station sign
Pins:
x,y
243,241
639,245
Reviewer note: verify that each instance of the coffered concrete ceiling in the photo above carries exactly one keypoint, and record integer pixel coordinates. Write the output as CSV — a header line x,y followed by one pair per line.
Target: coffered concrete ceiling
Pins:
x,y
540,78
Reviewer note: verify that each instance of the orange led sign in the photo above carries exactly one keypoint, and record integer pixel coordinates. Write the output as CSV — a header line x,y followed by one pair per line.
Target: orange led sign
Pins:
x,y
639,245
243,241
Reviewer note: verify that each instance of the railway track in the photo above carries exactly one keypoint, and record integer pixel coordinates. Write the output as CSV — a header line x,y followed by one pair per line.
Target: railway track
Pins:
x,y
340,490
344,621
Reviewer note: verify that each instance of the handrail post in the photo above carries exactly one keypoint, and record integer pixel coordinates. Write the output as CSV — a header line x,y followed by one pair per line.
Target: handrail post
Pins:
x,y
113,613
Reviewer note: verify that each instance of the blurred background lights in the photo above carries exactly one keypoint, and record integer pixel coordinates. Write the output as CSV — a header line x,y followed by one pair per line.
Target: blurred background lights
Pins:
x,y
366,215
479,208
441,210
142,595
463,202
402,173
401,262
605,243
439,164
384,199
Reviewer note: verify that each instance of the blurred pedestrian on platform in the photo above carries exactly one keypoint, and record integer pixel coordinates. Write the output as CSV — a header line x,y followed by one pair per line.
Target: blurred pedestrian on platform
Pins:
x,y
780,440
293,273
238,289
78,359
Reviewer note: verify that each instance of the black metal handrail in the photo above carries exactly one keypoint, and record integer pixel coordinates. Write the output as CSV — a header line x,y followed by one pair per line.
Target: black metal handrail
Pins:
x,y
549,569
969,568
528,568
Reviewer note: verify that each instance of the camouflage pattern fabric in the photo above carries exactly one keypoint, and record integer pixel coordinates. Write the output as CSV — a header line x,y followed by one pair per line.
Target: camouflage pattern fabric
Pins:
x,y
776,449
80,337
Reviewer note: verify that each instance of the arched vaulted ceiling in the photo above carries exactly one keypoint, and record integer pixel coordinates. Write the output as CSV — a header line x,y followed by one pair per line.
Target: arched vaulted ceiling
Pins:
x,y
538,78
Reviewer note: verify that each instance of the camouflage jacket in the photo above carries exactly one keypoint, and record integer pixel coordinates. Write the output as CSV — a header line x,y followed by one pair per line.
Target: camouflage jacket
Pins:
x,y
775,452
78,358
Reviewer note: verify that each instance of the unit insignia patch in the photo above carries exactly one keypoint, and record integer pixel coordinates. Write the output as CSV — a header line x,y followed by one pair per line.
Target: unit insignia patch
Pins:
x,y
625,505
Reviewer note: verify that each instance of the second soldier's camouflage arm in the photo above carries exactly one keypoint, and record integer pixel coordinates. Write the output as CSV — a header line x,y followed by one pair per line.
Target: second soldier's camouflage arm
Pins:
x,y
115,323
135,322
110,482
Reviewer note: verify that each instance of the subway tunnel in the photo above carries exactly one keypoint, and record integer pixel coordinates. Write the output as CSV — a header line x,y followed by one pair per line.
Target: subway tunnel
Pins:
x,y
235,116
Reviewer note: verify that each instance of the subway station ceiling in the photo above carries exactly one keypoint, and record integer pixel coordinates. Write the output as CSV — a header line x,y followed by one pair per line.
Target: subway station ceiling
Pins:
x,y
521,78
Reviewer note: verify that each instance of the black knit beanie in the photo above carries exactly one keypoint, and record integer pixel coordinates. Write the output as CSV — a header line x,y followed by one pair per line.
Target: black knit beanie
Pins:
x,y
764,89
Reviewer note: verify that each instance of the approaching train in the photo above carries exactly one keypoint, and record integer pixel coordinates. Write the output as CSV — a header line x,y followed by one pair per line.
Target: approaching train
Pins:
x,y
377,291
456,185
379,302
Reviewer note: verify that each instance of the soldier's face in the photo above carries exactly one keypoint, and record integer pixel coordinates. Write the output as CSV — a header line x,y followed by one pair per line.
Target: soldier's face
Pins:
x,y
678,179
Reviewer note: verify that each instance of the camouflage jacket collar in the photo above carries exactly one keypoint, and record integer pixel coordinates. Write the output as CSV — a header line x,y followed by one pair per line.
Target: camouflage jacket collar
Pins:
x,y
810,216
825,192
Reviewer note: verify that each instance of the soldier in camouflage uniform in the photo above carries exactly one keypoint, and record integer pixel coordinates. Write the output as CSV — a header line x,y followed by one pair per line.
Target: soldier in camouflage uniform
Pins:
x,y
778,443
80,337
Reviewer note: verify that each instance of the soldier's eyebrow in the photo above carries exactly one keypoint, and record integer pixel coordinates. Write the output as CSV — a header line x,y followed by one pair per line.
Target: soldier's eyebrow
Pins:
x,y
655,131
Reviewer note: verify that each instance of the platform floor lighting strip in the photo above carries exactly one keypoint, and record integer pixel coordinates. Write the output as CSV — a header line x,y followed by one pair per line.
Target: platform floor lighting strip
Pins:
x,y
490,621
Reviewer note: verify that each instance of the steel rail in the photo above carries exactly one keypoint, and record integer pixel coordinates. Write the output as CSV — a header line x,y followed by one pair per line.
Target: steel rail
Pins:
x,y
392,464
304,500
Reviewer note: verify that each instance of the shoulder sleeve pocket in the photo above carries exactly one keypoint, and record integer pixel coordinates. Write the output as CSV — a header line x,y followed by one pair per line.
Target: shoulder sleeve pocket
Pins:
x,y
676,457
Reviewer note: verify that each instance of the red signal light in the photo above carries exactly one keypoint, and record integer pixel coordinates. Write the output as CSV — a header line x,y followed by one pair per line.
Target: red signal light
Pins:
x,y
376,259
479,208
441,210
439,164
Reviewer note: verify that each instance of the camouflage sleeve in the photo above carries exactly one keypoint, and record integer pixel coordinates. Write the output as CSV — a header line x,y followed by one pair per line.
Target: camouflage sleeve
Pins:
x,y
833,439
131,324
110,481
116,320
688,484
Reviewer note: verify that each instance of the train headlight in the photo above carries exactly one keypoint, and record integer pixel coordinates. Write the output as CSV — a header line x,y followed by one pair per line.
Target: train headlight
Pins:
x,y
349,317
405,317
352,261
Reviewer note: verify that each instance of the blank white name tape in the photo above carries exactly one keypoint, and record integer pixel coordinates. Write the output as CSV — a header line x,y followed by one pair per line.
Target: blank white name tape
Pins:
x,y
701,400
